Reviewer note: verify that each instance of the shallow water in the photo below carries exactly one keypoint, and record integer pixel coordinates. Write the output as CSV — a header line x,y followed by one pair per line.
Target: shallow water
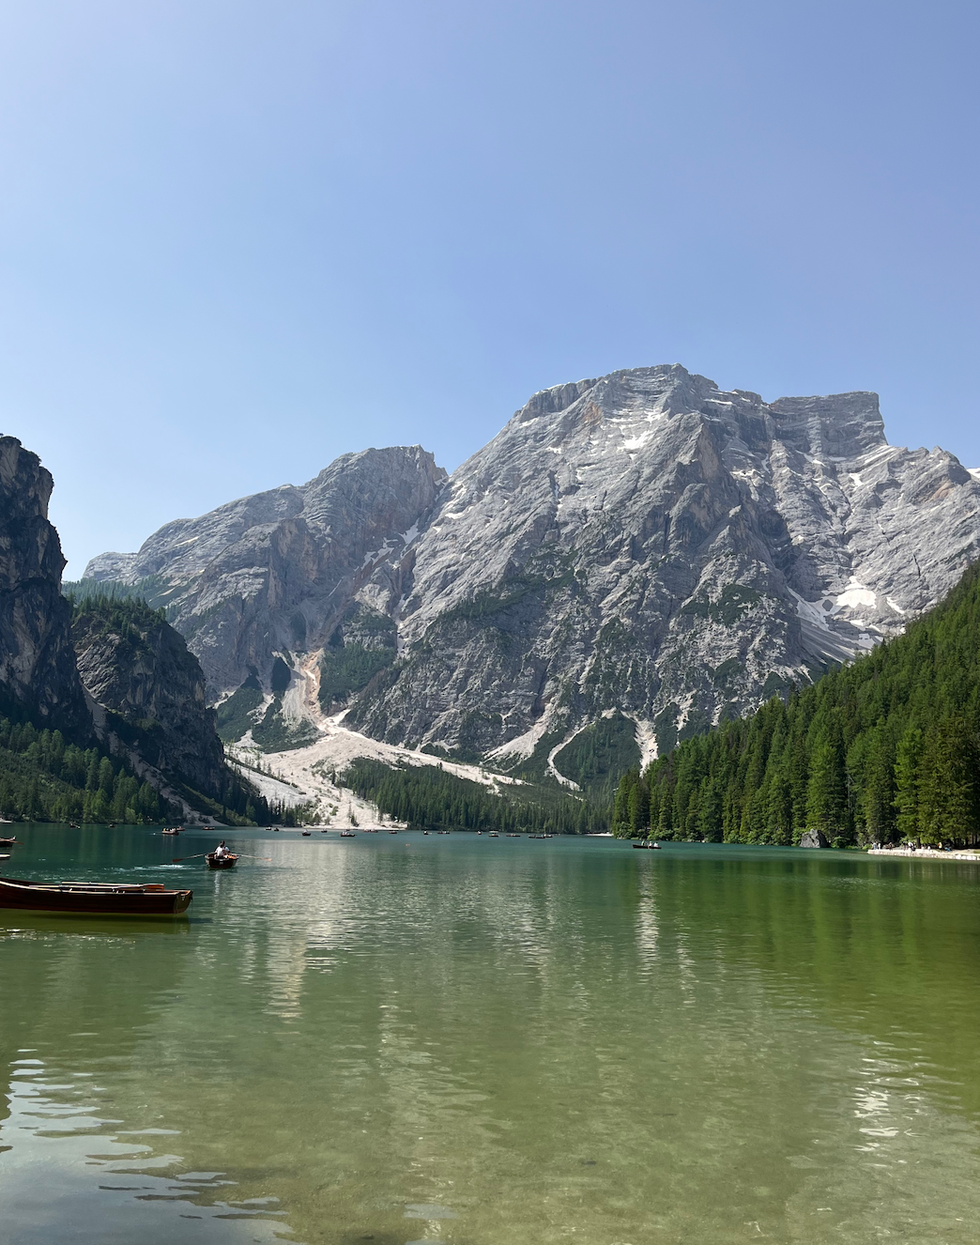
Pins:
x,y
492,1042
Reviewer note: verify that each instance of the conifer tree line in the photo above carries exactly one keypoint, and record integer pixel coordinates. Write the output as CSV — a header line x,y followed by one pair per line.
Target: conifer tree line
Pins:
x,y
44,778
883,750
429,798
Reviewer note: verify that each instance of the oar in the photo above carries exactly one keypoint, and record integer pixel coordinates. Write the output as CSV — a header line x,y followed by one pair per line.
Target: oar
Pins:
x,y
177,859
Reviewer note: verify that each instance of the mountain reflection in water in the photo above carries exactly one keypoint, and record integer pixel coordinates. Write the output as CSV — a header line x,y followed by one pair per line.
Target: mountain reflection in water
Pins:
x,y
489,1041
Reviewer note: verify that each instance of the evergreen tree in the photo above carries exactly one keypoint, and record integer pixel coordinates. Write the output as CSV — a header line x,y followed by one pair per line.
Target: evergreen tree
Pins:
x,y
826,803
948,786
907,762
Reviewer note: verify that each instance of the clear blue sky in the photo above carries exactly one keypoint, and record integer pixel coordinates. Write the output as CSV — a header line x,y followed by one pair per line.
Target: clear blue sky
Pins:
x,y
238,238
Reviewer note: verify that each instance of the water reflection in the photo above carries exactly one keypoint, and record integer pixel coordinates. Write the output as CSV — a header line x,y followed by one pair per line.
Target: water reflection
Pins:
x,y
489,1041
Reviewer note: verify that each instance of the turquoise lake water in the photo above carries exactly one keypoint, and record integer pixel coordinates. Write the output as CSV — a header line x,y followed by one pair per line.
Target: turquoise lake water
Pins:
x,y
405,1038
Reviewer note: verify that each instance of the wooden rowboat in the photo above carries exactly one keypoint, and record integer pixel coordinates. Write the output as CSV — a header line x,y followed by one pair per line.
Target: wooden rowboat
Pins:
x,y
97,898
8,842
221,862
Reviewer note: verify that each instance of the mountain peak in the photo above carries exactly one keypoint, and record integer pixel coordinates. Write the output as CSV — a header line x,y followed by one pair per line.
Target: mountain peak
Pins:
x,y
642,544
842,425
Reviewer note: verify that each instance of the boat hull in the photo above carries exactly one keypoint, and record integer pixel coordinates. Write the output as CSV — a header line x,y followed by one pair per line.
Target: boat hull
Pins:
x,y
221,862
83,898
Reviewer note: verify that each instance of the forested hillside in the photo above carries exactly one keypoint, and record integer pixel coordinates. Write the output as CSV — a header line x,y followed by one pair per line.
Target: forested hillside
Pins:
x,y
153,748
429,799
45,778
150,689
883,750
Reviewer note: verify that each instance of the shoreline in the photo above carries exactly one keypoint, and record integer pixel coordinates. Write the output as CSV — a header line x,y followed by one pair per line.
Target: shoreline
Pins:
x,y
927,853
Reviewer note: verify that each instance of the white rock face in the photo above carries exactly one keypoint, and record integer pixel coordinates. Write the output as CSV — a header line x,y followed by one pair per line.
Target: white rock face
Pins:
x,y
649,543
641,543
274,572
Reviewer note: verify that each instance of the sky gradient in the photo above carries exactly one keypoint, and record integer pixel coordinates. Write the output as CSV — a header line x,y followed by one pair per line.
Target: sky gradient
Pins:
x,y
238,239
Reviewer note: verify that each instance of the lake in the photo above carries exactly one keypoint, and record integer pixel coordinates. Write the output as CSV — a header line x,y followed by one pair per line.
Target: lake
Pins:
x,y
406,1038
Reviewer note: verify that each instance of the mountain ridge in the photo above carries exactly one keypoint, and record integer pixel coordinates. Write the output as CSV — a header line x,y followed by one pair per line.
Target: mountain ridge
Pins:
x,y
640,544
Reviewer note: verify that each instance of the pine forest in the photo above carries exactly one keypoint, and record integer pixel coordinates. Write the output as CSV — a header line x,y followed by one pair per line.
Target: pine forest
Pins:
x,y
884,750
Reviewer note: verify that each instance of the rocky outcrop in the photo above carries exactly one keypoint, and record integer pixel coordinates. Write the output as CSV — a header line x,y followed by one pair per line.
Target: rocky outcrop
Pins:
x,y
38,678
643,544
813,838
132,688
138,671
274,574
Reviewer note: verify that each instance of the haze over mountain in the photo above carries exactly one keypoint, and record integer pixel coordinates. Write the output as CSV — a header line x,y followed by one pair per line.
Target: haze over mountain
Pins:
x,y
642,546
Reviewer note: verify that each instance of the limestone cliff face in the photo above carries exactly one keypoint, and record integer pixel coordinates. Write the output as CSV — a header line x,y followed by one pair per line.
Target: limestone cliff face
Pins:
x,y
275,573
37,662
137,667
643,544
647,543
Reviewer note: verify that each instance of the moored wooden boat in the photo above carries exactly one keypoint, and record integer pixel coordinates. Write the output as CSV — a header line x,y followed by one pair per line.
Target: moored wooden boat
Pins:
x,y
98,898
8,842
221,862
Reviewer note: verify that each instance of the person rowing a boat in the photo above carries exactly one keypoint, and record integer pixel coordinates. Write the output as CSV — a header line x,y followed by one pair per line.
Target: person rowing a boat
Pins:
x,y
220,852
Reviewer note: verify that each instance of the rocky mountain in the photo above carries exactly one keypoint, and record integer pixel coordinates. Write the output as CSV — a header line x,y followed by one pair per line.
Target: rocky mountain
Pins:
x,y
114,677
148,694
629,560
275,573
38,678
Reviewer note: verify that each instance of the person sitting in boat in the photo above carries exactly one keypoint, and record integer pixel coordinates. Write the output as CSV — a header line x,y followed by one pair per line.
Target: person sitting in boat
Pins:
x,y
220,852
